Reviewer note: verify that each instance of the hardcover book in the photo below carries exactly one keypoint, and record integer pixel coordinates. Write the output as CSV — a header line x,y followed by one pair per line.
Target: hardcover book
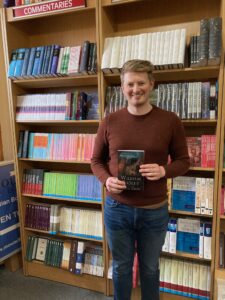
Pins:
x,y
129,162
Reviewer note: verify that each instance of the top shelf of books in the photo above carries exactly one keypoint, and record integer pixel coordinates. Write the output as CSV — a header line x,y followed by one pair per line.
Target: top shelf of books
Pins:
x,y
47,8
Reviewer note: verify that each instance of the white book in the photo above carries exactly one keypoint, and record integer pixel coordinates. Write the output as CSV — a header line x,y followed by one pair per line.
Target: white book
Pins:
x,y
115,55
176,46
142,46
166,49
180,275
122,52
153,48
203,196
161,48
195,281
182,47
207,240
185,278
136,46
190,278
201,240
149,45
199,100
65,220
165,247
173,236
210,195
74,60
157,49
128,48
41,249
203,274
106,57
208,281
171,48
174,274
167,274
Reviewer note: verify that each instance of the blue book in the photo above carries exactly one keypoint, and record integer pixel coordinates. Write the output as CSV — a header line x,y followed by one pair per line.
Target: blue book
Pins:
x,y
41,61
188,232
52,47
19,62
46,61
25,64
36,63
55,60
12,64
31,62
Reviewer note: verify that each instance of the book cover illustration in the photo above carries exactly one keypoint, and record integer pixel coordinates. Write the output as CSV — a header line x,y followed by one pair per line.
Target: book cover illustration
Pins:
x,y
129,162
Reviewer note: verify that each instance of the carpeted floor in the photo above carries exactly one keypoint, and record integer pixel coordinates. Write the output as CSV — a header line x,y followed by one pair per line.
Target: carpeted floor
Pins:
x,y
16,286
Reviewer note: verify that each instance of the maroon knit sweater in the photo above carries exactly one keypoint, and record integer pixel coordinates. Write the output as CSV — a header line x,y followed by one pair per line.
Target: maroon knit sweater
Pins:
x,y
160,133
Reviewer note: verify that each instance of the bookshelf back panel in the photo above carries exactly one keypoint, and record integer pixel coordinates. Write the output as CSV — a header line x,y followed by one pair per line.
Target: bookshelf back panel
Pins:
x,y
66,30
146,16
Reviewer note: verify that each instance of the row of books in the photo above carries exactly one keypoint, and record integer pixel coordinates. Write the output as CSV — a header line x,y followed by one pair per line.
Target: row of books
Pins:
x,y
202,151
81,222
55,219
76,105
58,146
189,100
205,49
192,194
185,278
190,236
53,60
77,257
114,99
222,250
65,185
165,49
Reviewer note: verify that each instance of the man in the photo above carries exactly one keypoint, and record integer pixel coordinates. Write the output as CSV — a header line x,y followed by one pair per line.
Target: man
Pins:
x,y
139,217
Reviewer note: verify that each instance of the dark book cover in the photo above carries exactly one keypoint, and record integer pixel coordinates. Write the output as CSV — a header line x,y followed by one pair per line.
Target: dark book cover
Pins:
x,y
129,162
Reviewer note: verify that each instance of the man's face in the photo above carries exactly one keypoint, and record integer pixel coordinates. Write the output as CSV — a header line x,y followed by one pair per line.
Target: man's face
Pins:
x,y
137,87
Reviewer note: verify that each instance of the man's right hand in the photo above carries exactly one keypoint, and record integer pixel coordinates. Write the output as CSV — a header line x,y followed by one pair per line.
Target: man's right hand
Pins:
x,y
114,185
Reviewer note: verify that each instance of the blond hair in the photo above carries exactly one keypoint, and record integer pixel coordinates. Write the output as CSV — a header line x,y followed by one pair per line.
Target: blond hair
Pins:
x,y
137,65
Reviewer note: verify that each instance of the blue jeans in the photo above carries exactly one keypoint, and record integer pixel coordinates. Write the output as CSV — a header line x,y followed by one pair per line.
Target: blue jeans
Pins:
x,y
125,225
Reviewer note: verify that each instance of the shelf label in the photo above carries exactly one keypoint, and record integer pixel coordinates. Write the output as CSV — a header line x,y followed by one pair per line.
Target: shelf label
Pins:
x,y
46,7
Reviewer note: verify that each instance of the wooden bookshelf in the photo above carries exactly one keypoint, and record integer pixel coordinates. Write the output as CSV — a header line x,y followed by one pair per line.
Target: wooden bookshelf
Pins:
x,y
66,28
124,18
220,220
98,20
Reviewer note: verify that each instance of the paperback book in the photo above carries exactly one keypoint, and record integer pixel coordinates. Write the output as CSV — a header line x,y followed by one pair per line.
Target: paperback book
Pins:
x,y
129,162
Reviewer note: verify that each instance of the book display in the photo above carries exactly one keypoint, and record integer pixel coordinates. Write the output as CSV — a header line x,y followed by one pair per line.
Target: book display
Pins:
x,y
189,82
63,61
53,89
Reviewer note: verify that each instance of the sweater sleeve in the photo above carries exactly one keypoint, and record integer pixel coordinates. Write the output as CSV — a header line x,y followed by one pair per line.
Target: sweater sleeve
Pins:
x,y
100,154
178,151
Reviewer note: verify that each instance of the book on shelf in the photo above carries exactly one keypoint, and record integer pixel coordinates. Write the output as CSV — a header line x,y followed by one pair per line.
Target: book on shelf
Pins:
x,y
129,162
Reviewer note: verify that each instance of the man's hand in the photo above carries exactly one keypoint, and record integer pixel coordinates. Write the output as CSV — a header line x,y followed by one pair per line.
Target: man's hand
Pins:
x,y
114,185
152,171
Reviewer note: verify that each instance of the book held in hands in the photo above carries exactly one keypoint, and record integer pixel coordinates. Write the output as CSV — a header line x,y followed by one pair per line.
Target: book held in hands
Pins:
x,y
129,162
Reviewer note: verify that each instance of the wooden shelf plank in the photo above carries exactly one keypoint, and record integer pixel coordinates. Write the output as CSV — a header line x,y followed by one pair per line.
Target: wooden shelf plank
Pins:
x,y
68,81
202,169
56,274
62,199
64,235
186,255
61,122
106,3
187,213
57,161
209,72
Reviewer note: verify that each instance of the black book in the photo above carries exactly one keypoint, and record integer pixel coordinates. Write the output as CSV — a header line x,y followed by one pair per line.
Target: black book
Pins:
x,y
129,162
